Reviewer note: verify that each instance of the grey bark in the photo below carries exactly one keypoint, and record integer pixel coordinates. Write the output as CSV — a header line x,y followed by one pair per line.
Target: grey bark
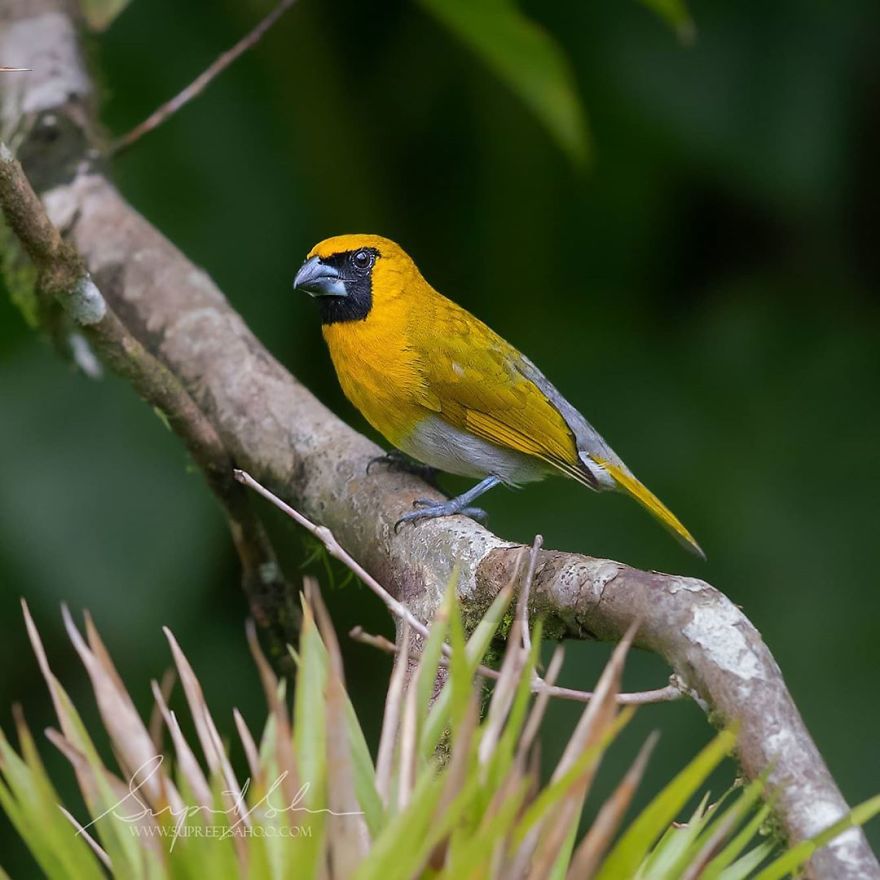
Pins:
x,y
273,427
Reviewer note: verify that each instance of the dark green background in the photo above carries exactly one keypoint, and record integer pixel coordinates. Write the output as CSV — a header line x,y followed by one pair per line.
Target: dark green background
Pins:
x,y
705,291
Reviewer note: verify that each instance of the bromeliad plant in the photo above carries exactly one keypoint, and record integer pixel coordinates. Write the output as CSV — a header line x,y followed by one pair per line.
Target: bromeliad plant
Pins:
x,y
453,793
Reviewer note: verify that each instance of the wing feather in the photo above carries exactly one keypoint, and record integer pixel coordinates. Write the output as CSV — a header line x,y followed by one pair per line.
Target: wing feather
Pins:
x,y
478,383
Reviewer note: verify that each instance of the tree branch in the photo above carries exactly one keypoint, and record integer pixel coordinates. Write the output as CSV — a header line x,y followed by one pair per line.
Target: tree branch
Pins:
x,y
273,427
402,614
62,277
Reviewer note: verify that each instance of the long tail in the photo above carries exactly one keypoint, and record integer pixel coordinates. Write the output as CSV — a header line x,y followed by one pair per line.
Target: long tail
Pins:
x,y
629,484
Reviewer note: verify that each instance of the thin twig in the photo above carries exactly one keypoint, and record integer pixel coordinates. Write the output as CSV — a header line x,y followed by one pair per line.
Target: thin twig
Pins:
x,y
539,686
525,590
337,551
386,645
666,694
198,85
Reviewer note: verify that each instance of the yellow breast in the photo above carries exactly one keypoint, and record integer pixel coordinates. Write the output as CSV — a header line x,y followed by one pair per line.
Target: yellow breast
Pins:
x,y
378,373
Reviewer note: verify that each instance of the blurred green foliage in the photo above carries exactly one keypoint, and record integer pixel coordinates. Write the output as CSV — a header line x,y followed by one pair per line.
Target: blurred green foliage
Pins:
x,y
526,58
705,291
99,14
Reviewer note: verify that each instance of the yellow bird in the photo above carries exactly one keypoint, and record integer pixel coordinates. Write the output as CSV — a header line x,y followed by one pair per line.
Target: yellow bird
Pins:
x,y
447,390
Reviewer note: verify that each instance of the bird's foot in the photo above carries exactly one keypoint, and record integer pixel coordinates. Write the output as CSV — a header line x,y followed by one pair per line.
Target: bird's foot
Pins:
x,y
428,509
395,460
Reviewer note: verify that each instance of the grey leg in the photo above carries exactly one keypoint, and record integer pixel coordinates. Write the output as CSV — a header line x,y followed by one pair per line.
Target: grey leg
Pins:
x,y
428,509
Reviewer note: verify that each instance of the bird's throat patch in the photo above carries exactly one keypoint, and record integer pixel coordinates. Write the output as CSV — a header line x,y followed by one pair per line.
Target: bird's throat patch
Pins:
x,y
358,302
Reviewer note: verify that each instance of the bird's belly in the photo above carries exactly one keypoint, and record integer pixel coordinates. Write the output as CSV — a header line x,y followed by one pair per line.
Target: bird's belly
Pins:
x,y
442,446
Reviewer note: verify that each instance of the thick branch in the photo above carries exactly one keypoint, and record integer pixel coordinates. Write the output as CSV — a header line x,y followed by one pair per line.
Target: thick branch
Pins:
x,y
63,280
273,427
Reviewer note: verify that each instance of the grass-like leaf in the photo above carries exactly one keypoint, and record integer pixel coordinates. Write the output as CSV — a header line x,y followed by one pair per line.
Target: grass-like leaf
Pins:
x,y
475,807
99,14
527,59
675,13
635,843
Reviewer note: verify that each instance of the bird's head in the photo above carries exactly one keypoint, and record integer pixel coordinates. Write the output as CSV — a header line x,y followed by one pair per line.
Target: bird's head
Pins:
x,y
349,275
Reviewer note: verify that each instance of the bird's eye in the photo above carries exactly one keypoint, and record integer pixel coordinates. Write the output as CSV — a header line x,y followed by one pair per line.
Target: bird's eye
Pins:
x,y
362,259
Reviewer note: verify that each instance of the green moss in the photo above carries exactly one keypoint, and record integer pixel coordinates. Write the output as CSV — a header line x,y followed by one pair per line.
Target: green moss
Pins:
x,y
772,829
716,719
443,749
20,277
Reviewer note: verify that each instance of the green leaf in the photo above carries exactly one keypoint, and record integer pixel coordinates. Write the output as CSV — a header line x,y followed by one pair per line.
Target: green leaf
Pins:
x,y
560,866
29,803
463,666
553,794
478,852
310,721
364,772
527,59
432,652
399,849
461,669
99,14
675,14
676,848
746,834
54,829
114,835
745,867
513,728
704,833
627,855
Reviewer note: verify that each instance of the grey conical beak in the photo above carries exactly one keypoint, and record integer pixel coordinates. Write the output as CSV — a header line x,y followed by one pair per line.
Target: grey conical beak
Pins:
x,y
319,279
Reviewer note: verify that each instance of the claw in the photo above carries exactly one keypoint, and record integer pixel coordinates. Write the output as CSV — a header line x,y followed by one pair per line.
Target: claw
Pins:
x,y
379,459
428,509
395,460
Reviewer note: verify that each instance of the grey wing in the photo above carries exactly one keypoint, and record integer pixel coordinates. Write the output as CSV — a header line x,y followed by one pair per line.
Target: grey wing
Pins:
x,y
592,447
